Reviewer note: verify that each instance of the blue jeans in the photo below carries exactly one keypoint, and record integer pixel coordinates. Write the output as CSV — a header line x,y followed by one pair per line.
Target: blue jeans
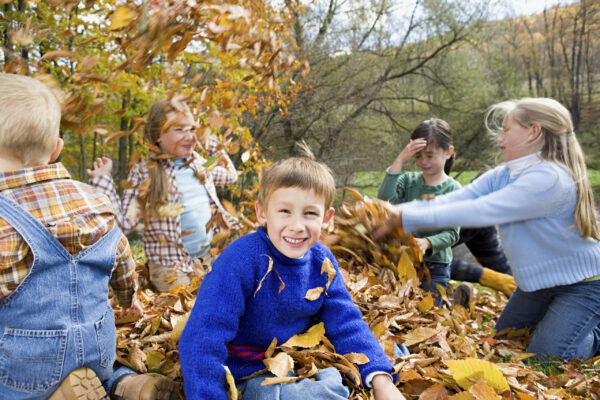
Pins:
x,y
567,319
327,384
58,319
439,275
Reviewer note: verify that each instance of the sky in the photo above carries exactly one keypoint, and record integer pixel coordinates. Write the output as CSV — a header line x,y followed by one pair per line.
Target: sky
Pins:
x,y
528,7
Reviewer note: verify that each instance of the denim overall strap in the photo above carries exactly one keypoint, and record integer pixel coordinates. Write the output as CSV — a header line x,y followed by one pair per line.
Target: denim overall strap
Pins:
x,y
58,318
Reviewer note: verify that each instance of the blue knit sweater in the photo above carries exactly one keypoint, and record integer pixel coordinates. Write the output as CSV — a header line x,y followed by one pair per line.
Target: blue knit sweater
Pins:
x,y
231,310
535,214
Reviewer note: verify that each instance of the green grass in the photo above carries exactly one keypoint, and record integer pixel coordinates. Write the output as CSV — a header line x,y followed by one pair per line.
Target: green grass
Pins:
x,y
367,182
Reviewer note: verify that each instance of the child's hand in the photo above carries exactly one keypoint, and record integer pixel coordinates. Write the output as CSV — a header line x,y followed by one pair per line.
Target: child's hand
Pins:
x,y
394,221
135,309
424,244
102,166
412,148
384,388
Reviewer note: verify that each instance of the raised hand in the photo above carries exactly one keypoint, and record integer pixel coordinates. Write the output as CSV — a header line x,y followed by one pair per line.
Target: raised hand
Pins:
x,y
412,148
102,166
392,222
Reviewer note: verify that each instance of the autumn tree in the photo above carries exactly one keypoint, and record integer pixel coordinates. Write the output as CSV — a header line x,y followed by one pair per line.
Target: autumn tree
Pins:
x,y
372,68
112,59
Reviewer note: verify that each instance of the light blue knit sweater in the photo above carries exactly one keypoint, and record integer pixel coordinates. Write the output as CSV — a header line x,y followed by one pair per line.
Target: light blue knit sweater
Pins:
x,y
535,214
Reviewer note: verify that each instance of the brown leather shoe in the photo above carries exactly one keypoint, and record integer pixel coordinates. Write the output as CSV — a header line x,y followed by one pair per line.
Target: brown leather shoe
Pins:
x,y
81,384
146,387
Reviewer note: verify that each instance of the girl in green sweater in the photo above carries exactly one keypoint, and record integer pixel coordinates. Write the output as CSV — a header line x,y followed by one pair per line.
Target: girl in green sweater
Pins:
x,y
431,146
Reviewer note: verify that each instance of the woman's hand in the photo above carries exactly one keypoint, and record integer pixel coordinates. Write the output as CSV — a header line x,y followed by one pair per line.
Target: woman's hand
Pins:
x,y
391,223
102,166
412,148
384,388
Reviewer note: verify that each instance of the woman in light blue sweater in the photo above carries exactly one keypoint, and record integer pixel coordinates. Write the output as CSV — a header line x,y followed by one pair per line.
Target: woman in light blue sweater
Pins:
x,y
543,203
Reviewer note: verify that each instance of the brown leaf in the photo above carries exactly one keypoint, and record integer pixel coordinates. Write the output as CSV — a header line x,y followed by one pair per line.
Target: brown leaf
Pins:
x,y
481,391
434,392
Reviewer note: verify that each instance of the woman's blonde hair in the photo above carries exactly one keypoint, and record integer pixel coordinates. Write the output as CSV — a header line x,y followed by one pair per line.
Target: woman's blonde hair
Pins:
x,y
560,146
302,172
155,125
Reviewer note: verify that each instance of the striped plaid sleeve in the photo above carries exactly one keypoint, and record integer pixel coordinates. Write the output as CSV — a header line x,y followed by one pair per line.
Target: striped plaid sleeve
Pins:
x,y
222,174
106,185
124,278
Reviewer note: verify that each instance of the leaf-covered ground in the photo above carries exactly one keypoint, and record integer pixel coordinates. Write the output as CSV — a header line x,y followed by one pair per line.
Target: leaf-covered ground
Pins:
x,y
453,349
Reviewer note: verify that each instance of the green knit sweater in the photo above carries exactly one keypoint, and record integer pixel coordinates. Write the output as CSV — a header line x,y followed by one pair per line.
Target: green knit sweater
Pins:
x,y
409,186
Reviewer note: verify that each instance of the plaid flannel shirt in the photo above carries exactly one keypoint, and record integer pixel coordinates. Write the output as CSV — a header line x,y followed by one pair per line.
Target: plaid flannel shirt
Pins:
x,y
162,236
76,214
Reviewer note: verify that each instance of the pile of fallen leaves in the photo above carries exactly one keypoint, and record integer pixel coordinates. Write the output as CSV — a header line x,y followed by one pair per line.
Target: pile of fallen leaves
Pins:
x,y
453,351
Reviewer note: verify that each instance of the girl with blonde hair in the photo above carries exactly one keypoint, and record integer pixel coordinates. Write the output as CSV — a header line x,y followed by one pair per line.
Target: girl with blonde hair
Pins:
x,y
173,192
543,203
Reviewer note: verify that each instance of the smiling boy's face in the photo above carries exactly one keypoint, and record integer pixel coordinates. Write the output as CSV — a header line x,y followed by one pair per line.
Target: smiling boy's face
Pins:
x,y
294,218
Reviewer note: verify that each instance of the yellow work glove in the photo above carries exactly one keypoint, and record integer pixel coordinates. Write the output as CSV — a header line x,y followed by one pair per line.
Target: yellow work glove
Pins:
x,y
496,280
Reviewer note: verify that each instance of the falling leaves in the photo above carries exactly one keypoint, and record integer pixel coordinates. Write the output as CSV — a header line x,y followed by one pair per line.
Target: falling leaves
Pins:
x,y
171,210
122,17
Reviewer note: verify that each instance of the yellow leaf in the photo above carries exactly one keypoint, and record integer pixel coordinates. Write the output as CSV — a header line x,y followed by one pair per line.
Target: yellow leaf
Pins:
x,y
328,267
271,348
418,335
153,358
441,290
525,396
269,269
313,294
406,270
232,392
379,329
357,358
311,338
178,322
280,365
466,371
277,380
426,304
121,18
155,324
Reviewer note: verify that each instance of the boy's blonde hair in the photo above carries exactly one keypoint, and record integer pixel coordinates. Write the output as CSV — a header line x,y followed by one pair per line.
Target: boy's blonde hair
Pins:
x,y
302,172
560,146
29,119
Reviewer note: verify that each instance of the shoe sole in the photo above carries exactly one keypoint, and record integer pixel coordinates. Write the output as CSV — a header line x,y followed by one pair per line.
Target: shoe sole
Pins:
x,y
81,384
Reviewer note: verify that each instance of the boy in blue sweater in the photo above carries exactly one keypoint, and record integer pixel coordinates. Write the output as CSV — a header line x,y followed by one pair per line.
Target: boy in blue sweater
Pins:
x,y
240,308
